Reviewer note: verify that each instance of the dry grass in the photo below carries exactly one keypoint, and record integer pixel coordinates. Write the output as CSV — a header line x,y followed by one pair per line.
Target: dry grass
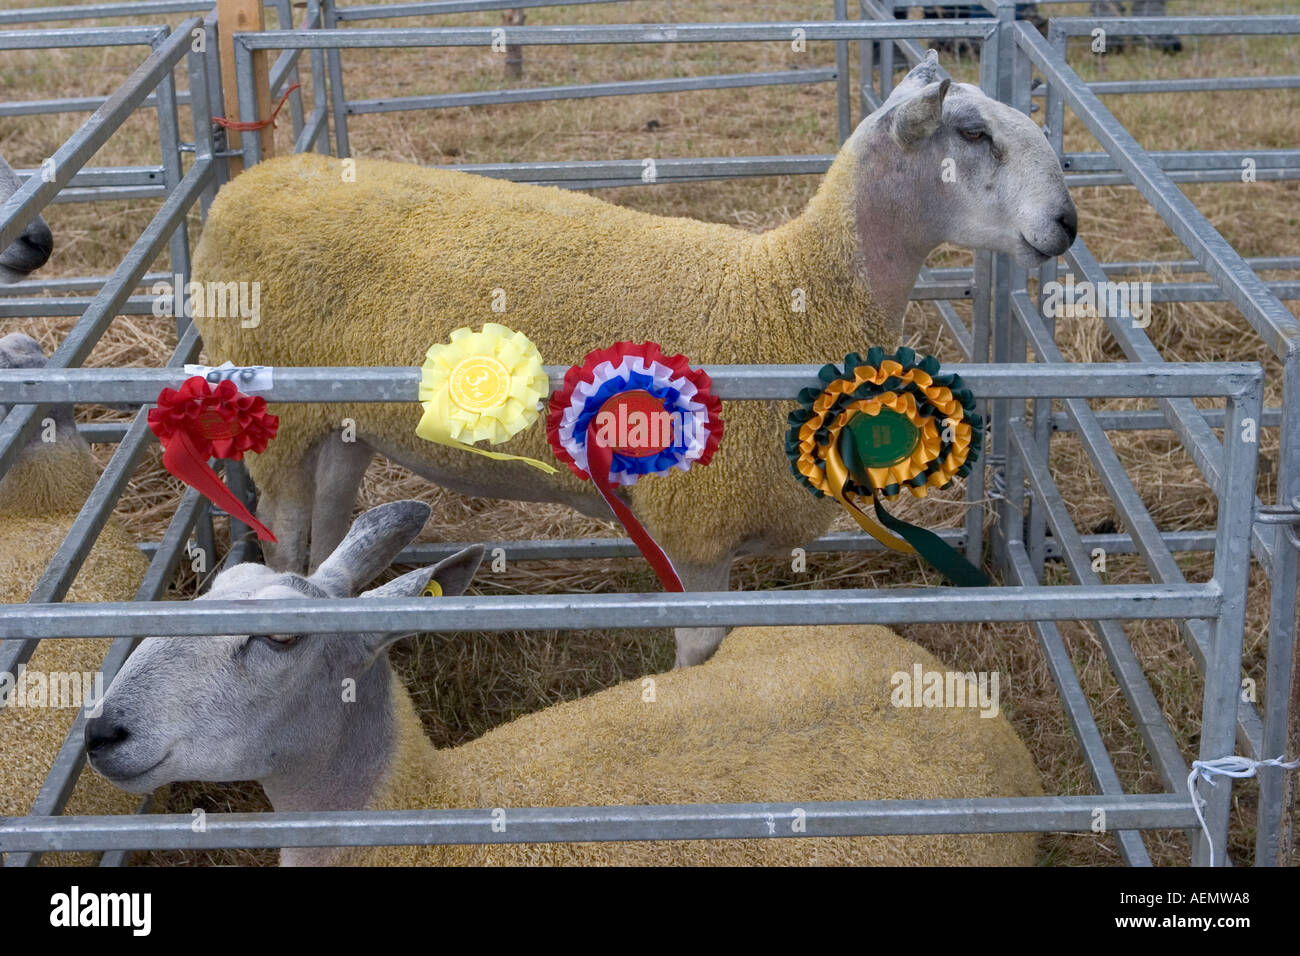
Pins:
x,y
467,683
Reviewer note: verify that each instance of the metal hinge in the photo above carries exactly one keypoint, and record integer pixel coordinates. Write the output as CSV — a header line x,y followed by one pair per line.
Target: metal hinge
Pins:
x,y
1286,515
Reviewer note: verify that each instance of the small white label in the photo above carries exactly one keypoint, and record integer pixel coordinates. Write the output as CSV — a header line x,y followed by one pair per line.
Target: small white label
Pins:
x,y
252,378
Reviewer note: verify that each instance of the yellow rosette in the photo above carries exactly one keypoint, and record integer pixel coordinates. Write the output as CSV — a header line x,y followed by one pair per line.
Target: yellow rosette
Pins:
x,y
482,386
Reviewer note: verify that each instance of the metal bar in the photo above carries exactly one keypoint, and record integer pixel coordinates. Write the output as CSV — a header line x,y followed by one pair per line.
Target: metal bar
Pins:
x,y
109,176
1210,84
285,69
29,199
836,542
1223,668
1266,314
1077,711
1182,26
441,7
319,90
667,169
421,37
980,336
312,129
70,305
1283,633
722,81
217,95
250,147
594,824
334,67
173,171
866,67
1186,158
72,37
1129,420
97,11
201,120
1258,263
1080,180
24,622
843,93
1054,129
370,383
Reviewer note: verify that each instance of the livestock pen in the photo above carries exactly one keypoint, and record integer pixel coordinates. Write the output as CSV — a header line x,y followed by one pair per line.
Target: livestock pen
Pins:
x,y
1005,320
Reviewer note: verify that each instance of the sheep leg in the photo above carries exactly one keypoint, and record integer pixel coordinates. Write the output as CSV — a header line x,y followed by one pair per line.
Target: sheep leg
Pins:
x,y
286,505
340,467
695,645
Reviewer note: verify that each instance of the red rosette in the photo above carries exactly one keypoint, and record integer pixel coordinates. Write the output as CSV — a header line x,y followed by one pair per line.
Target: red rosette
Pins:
x,y
652,354
572,431
197,422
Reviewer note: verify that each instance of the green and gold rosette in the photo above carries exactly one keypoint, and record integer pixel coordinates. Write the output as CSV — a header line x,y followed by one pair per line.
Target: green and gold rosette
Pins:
x,y
885,424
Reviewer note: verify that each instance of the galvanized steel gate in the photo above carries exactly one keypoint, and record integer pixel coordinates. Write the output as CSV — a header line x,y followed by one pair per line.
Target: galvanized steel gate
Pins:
x,y
1005,321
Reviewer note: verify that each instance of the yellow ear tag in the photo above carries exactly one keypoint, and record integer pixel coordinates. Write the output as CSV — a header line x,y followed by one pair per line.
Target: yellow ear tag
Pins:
x,y
433,590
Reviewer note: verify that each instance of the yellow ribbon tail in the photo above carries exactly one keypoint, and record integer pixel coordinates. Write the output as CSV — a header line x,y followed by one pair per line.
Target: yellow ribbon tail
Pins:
x,y
497,455
837,476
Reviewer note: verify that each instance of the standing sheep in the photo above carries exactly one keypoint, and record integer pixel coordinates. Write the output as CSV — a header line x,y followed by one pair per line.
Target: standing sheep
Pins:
x,y
780,714
374,271
40,497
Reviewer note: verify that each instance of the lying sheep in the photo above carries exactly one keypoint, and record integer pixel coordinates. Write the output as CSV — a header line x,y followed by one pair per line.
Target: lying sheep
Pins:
x,y
40,497
374,271
780,714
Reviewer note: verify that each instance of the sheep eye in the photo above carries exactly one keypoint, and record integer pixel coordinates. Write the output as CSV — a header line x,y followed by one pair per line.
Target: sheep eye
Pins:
x,y
973,135
279,642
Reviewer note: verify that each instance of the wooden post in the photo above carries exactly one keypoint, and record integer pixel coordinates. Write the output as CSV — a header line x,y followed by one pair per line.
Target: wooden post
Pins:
x,y
244,16
514,52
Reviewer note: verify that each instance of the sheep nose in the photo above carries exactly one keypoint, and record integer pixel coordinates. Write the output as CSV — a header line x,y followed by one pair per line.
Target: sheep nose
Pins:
x,y
102,733
40,240
1069,221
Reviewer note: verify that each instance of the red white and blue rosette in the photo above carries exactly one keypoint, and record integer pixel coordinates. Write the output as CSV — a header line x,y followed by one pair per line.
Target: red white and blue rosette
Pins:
x,y
629,411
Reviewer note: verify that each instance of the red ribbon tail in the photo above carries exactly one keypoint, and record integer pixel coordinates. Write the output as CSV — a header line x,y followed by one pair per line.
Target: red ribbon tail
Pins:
x,y
184,460
599,460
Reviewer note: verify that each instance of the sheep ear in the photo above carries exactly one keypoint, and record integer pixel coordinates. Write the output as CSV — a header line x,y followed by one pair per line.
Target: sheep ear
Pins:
x,y
919,117
925,72
453,576
370,546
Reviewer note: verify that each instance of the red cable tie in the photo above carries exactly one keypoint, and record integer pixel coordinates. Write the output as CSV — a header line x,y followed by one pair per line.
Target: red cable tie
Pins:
x,y
250,125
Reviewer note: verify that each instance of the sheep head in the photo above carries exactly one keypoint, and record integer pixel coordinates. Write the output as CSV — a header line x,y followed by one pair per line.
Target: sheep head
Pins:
x,y
943,162
261,706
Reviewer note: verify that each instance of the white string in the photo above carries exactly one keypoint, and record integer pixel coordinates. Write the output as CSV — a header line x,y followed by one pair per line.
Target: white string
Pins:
x,y
1231,766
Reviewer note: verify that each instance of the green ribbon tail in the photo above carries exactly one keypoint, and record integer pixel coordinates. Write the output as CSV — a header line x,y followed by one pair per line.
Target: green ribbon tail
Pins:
x,y
935,550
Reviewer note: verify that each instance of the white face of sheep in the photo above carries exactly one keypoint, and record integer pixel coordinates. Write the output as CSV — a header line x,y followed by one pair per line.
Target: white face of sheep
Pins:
x,y
264,707
960,167
32,249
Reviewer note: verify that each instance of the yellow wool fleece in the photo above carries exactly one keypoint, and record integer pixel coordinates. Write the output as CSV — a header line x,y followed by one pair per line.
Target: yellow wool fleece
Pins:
x,y
373,272
779,714
39,499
